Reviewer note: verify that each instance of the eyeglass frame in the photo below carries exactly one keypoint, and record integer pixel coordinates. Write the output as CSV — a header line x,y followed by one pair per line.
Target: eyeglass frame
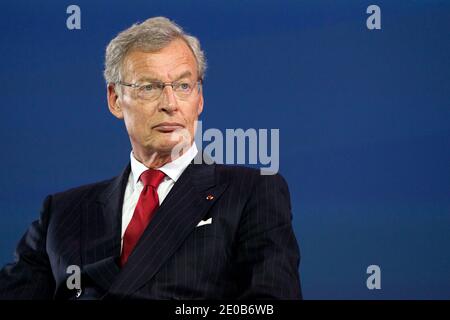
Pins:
x,y
199,82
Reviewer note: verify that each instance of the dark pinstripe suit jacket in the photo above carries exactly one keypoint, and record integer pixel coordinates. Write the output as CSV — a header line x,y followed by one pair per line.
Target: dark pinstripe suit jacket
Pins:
x,y
248,251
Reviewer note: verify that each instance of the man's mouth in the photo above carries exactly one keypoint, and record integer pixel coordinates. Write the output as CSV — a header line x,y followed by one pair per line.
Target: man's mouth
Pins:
x,y
167,127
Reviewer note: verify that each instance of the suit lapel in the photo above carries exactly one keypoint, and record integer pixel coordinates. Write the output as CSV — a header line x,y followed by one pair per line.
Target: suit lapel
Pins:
x,y
101,232
176,218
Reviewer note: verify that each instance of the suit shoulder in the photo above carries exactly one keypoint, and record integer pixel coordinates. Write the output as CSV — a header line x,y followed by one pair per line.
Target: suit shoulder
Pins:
x,y
81,192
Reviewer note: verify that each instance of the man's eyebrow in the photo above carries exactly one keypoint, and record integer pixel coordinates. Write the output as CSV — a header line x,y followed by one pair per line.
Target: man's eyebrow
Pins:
x,y
147,78
185,74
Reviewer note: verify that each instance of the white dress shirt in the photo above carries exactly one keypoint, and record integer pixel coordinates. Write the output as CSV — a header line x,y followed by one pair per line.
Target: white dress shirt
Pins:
x,y
172,170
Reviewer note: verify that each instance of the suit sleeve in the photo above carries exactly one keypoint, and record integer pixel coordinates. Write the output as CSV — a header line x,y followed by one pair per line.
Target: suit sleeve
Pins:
x,y
268,255
30,276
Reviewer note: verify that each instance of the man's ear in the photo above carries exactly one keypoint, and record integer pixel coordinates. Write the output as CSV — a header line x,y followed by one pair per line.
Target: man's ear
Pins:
x,y
114,101
200,104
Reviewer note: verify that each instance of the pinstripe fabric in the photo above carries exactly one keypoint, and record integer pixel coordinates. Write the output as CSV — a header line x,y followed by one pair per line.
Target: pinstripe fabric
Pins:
x,y
248,251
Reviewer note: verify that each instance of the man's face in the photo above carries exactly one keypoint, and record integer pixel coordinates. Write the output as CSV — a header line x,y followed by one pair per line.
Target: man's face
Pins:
x,y
159,125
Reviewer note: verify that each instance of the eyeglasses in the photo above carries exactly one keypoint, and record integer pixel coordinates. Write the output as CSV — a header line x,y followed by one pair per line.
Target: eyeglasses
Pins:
x,y
152,91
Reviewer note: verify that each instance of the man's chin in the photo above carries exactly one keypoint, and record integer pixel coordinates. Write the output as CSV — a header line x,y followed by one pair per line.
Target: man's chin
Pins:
x,y
173,147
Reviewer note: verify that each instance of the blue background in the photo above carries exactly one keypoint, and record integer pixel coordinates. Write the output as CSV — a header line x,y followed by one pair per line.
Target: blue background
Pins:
x,y
364,119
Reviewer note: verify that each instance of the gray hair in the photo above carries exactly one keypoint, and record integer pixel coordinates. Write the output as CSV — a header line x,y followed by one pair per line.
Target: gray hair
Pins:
x,y
151,35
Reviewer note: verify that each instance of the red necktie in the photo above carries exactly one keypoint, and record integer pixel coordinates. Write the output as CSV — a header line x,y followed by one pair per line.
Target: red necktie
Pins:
x,y
147,204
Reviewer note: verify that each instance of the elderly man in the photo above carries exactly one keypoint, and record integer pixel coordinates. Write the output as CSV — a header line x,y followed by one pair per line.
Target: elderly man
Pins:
x,y
166,227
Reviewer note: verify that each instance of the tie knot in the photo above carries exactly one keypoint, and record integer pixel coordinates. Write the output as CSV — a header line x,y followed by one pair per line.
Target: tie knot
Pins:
x,y
152,177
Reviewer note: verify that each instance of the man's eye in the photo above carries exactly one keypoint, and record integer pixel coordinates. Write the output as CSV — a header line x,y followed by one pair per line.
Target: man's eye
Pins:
x,y
184,86
148,87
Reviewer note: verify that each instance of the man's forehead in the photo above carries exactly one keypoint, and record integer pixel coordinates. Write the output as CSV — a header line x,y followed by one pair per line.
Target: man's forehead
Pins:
x,y
174,60
144,74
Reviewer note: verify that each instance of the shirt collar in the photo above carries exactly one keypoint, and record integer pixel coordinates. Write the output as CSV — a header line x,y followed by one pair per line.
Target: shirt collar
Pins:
x,y
173,169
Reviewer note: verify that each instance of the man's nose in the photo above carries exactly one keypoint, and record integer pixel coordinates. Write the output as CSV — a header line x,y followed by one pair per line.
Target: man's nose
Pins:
x,y
168,100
